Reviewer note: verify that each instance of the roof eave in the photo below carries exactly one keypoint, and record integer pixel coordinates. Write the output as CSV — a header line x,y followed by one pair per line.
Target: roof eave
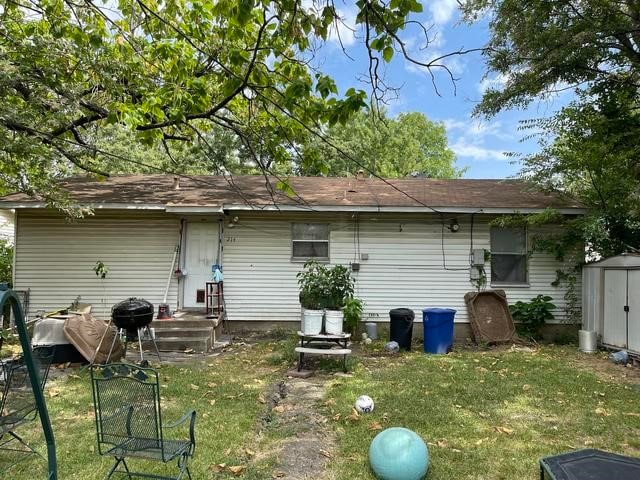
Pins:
x,y
300,208
401,209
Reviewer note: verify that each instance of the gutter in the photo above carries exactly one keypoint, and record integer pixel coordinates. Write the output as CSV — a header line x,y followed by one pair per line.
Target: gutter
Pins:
x,y
375,209
169,208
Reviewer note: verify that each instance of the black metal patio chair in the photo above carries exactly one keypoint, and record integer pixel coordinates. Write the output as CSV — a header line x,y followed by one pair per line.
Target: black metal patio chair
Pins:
x,y
17,400
129,420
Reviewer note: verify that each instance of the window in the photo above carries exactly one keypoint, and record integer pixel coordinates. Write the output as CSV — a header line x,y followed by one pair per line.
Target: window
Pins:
x,y
508,255
310,240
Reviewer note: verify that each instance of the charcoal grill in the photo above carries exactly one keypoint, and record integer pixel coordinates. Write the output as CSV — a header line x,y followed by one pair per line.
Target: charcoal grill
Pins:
x,y
133,316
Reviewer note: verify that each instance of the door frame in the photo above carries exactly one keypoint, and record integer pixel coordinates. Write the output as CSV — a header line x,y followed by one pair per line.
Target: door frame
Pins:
x,y
219,221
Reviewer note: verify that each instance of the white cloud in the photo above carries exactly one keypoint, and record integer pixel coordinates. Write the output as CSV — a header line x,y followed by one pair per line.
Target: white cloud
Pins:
x,y
344,31
442,11
496,82
494,128
469,149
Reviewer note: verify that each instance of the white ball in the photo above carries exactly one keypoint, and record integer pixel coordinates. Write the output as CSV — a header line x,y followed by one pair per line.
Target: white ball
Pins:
x,y
364,404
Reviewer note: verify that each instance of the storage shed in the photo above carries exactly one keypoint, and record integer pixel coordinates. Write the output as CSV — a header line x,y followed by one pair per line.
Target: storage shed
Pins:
x,y
611,301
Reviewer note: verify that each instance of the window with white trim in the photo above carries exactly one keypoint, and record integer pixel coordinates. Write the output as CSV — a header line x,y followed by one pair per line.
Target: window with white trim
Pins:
x,y
310,241
508,255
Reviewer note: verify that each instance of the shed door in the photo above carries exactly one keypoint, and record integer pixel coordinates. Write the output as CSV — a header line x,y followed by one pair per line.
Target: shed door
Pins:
x,y
200,254
633,294
615,318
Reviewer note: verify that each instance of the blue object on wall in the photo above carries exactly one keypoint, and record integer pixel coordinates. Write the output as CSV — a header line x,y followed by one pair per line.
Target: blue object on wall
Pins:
x,y
399,454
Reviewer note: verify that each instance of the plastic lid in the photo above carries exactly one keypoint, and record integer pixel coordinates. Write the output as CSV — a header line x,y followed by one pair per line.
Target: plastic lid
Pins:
x,y
438,310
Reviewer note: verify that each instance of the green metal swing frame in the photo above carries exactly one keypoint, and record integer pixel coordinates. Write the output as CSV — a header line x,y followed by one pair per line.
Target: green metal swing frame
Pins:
x,y
9,297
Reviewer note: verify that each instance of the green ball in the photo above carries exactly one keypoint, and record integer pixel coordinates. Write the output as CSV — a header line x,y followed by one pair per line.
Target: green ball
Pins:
x,y
399,454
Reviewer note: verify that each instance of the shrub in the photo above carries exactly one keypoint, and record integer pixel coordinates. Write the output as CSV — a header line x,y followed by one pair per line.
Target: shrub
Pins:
x,y
6,262
532,316
352,314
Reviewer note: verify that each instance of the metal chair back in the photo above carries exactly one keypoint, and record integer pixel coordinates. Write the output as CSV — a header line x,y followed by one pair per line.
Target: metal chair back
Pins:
x,y
18,402
127,408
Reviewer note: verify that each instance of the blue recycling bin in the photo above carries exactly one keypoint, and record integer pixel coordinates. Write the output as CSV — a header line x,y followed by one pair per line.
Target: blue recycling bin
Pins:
x,y
438,329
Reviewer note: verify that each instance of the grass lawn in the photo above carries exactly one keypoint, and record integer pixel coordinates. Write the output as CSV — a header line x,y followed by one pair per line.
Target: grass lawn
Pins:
x,y
489,415
485,414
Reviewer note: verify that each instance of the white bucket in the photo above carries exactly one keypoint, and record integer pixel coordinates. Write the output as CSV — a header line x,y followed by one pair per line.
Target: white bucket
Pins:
x,y
587,341
311,322
333,320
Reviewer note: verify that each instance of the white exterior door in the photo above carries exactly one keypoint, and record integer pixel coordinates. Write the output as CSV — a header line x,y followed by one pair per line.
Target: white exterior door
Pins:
x,y
633,295
615,317
200,254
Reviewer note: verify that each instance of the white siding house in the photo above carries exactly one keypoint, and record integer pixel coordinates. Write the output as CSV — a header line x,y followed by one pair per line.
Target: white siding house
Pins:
x,y
405,265
55,258
6,225
403,239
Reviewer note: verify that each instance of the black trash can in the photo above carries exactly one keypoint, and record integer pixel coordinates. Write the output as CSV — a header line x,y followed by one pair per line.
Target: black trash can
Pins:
x,y
401,329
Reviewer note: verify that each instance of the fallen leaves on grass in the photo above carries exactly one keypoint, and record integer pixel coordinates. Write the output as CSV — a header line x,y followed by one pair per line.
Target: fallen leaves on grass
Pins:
x,y
505,430
217,467
326,454
375,426
355,416
602,412
278,409
237,469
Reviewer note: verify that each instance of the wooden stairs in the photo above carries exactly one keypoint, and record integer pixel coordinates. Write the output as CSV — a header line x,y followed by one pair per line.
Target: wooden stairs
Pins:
x,y
189,332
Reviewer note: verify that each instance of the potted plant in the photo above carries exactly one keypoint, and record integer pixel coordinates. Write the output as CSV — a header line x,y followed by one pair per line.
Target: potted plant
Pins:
x,y
339,289
352,314
312,281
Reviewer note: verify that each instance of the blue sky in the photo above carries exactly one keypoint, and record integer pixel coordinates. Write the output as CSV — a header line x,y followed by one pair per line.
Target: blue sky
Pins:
x,y
479,144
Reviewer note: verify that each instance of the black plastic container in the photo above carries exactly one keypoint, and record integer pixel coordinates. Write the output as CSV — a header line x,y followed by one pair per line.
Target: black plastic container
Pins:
x,y
132,314
401,328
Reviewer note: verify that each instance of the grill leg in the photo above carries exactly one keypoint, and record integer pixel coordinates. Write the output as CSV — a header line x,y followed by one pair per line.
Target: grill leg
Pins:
x,y
140,330
113,344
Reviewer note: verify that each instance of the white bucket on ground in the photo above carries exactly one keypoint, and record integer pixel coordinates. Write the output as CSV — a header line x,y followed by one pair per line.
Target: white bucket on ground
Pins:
x,y
587,341
333,320
311,322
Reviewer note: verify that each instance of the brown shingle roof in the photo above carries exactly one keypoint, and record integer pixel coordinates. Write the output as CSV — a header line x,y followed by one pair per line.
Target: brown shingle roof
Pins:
x,y
310,191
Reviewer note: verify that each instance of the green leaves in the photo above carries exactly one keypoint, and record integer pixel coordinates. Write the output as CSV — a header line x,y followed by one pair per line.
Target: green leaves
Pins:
x,y
390,147
533,315
91,87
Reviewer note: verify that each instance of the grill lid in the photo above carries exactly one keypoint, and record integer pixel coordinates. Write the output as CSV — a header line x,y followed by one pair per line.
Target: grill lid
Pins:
x,y
132,313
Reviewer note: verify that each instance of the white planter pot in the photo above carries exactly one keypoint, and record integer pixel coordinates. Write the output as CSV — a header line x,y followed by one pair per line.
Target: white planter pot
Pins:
x,y
333,320
311,321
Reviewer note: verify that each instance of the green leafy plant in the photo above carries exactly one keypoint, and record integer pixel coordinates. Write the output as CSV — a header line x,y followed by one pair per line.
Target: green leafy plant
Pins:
x,y
532,316
6,262
101,270
312,282
339,287
352,314
322,286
